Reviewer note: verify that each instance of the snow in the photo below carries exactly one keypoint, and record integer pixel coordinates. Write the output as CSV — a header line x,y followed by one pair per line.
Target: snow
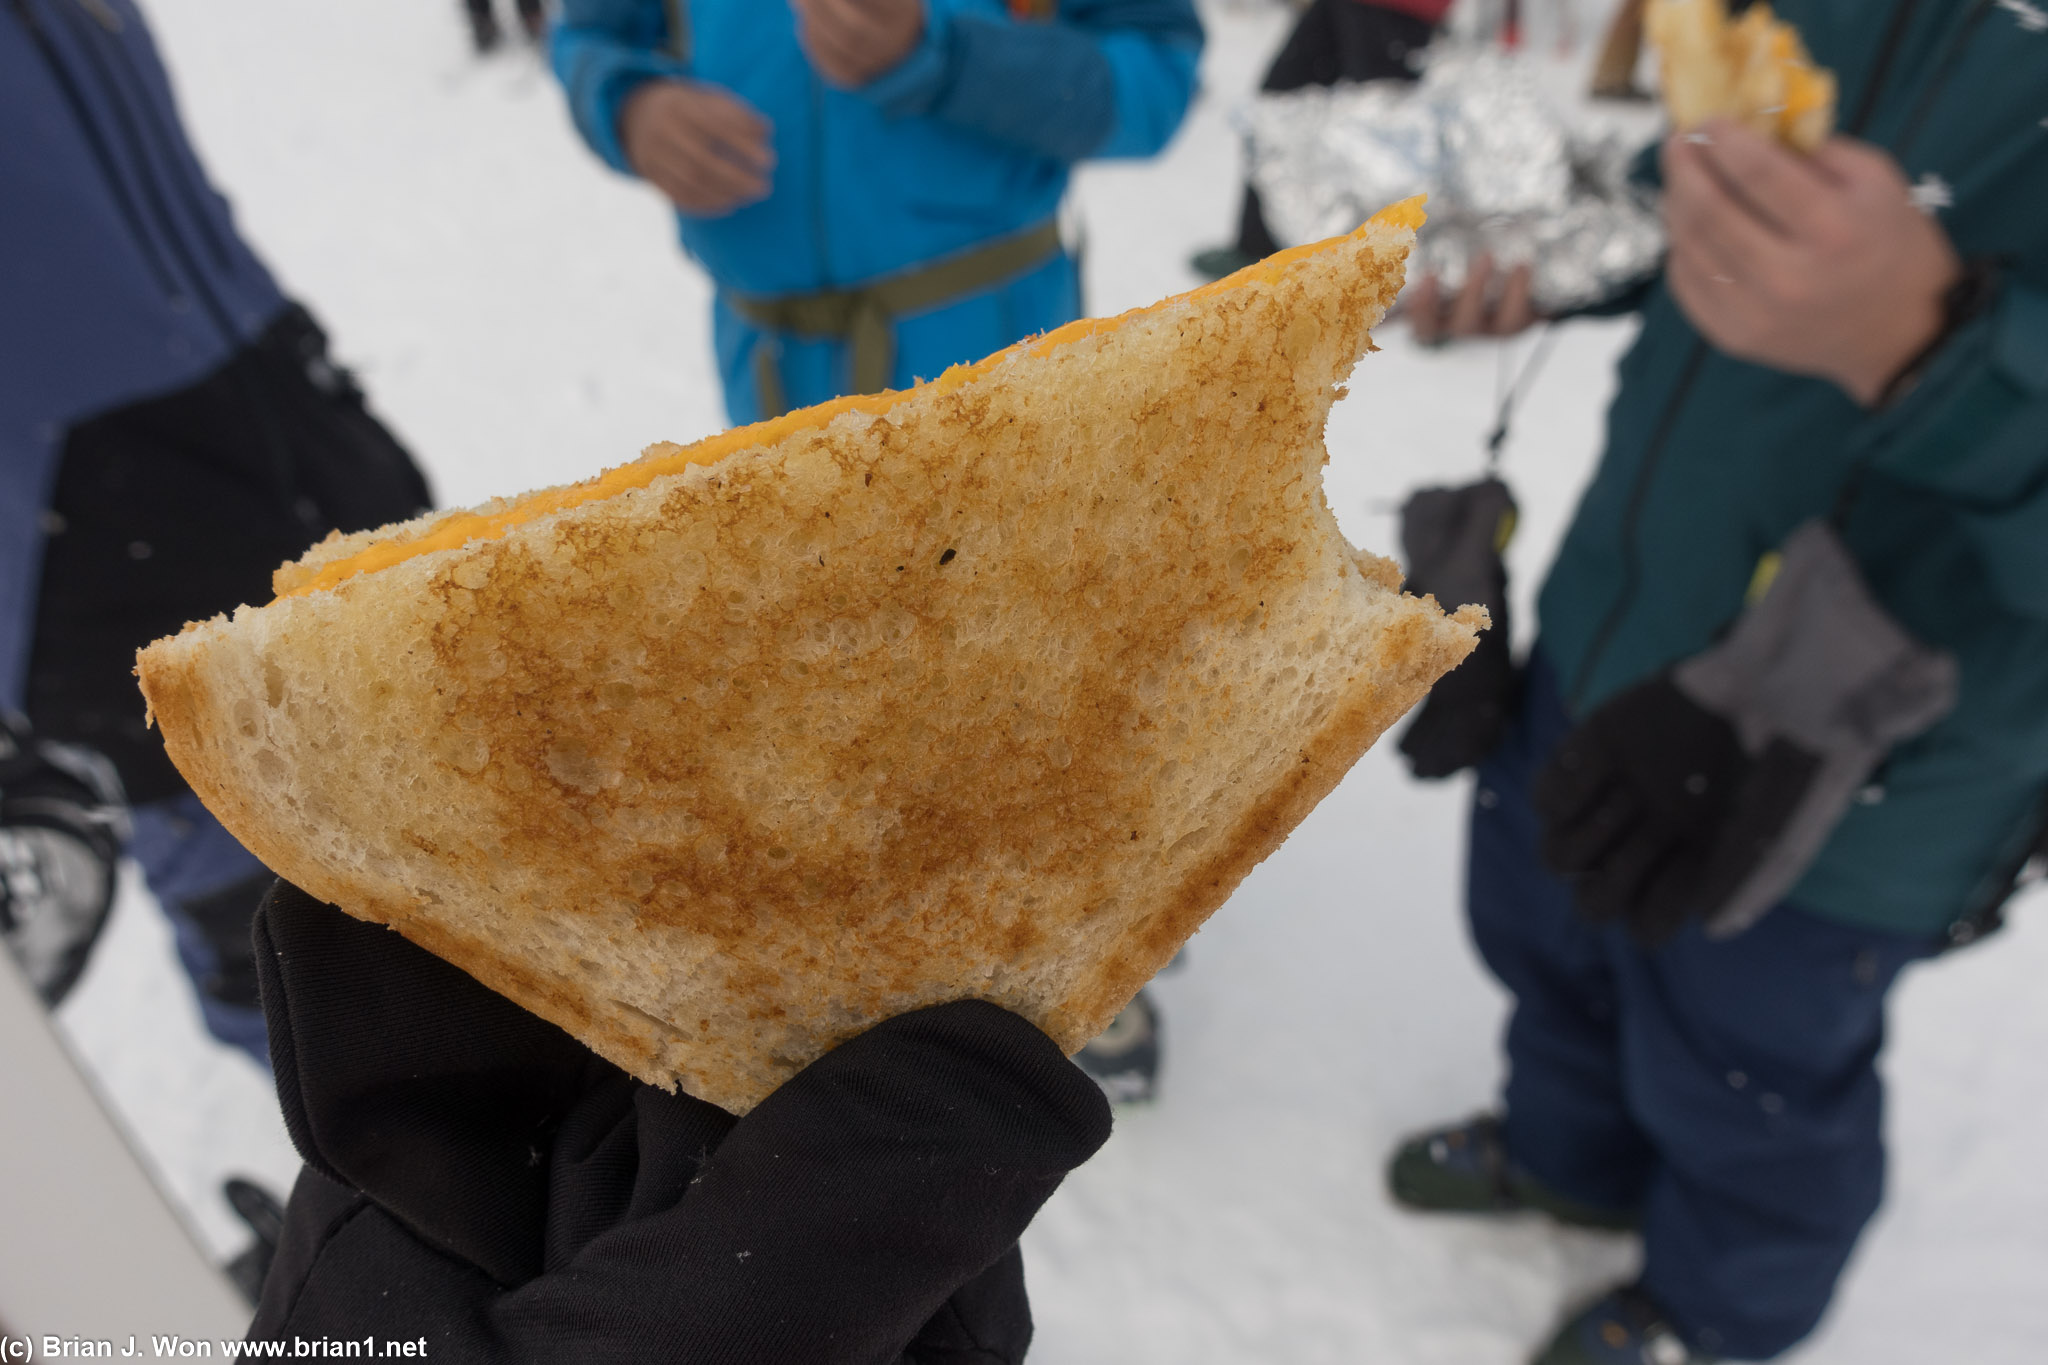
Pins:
x,y
522,317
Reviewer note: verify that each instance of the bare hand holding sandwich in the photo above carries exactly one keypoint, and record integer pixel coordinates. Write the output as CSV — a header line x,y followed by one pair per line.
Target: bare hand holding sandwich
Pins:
x,y
705,148
1816,265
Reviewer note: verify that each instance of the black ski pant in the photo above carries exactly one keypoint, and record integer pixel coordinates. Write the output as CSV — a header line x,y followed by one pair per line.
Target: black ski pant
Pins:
x,y
1335,40
178,507
173,509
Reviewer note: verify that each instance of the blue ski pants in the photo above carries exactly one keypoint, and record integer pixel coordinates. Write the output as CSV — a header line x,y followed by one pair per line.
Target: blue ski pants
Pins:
x,y
1725,1090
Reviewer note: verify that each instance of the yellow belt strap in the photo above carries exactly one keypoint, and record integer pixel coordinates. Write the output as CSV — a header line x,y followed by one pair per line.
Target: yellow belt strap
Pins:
x,y
865,315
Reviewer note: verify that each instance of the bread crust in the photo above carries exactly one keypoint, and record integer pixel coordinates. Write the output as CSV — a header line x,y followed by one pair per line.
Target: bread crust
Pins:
x,y
1000,694
1754,69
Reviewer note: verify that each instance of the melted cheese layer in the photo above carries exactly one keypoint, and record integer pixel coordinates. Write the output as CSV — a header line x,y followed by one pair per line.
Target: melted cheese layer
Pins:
x,y
460,528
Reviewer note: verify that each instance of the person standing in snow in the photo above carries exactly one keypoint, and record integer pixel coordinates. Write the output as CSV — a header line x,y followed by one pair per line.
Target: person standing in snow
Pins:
x,y
1855,341
873,186
171,429
1333,41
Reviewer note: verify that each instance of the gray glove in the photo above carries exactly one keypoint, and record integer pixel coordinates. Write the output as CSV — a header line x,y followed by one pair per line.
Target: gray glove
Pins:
x,y
1817,665
1706,792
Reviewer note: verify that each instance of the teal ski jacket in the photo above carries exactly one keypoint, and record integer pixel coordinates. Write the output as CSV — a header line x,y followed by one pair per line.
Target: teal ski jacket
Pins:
x,y
1711,462
968,140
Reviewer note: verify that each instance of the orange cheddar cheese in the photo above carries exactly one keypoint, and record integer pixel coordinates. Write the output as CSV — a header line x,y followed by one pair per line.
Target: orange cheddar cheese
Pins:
x,y
460,528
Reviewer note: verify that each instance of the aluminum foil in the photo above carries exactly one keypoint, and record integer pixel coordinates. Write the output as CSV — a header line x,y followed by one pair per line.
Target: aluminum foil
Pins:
x,y
1507,174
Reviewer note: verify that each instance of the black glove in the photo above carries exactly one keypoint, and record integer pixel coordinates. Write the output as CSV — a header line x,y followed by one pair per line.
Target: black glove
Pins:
x,y
477,1177
1638,807
1708,791
62,825
1453,539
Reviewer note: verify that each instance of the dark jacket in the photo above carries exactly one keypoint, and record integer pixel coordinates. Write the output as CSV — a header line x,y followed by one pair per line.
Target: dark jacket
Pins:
x,y
123,274
1711,462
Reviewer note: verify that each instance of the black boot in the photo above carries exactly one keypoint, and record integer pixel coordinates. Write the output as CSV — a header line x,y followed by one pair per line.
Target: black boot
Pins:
x,y
62,825
1622,1327
1465,1168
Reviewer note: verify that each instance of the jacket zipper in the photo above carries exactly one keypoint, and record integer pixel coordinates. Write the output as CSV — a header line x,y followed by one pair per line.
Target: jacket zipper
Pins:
x,y
1695,361
1942,75
1631,542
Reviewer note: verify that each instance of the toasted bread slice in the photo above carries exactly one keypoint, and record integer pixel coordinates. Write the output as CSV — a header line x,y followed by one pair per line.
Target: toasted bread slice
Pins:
x,y
1754,69
993,688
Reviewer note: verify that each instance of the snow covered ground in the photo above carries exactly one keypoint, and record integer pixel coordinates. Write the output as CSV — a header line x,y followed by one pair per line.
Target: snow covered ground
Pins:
x,y
521,317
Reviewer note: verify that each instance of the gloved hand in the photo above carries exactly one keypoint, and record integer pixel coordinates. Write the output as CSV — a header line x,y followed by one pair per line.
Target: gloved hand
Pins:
x,y
1453,539
1707,791
477,1177
1635,806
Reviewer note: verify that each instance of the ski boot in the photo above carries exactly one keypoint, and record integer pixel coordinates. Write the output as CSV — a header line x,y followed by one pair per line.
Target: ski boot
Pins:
x,y
1465,1168
1124,1058
63,823
1623,1328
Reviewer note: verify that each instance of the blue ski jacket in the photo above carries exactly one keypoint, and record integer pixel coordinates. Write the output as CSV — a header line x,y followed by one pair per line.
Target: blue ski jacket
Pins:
x,y
121,274
968,140
1711,462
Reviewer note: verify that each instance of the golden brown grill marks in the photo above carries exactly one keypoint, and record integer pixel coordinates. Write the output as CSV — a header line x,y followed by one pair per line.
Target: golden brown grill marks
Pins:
x,y
1001,695
772,823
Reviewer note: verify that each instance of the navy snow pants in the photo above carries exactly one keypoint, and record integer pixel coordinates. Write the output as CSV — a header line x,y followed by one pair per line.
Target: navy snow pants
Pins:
x,y
208,886
1725,1090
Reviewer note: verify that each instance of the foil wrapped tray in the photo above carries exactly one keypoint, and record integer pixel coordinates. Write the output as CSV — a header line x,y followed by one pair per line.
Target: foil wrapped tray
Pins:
x,y
1507,172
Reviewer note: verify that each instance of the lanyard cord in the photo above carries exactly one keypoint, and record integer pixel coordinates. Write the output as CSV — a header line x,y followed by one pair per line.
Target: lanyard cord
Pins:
x,y
1507,396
